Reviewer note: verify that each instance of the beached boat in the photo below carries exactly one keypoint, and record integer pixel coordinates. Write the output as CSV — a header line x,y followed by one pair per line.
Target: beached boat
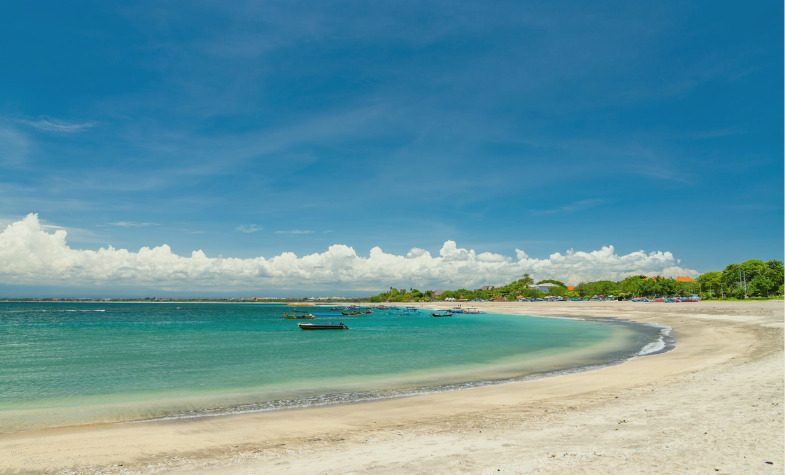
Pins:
x,y
298,315
322,326
442,313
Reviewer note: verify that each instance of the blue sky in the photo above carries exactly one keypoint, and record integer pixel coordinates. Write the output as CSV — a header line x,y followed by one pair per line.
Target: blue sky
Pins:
x,y
256,129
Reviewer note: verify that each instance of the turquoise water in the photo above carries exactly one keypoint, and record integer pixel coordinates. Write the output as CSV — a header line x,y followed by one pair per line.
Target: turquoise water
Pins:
x,y
77,363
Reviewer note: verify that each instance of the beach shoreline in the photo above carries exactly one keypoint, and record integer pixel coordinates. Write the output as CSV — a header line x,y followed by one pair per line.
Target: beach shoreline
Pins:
x,y
713,403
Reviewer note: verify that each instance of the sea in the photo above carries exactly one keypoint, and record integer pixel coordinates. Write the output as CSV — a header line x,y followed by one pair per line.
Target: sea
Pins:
x,y
77,363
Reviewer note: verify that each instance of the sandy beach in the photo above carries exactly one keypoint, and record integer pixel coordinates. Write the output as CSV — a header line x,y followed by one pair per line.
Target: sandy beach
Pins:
x,y
712,405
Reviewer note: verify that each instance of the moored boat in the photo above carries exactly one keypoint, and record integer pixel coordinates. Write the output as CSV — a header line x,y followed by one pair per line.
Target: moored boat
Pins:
x,y
322,326
442,313
298,316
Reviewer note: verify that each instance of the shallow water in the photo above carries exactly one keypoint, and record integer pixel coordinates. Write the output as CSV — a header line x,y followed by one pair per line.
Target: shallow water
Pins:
x,y
76,363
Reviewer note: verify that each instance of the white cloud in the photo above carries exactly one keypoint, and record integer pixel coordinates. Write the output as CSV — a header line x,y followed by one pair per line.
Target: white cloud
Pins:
x,y
249,228
574,207
59,126
30,255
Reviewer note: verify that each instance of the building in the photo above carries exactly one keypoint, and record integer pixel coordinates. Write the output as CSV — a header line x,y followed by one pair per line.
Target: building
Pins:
x,y
544,287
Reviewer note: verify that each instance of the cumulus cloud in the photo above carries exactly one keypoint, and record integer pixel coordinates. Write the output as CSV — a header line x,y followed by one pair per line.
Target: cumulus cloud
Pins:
x,y
32,256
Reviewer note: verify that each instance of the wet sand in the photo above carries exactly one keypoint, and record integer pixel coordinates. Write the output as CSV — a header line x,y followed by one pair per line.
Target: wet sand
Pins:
x,y
712,405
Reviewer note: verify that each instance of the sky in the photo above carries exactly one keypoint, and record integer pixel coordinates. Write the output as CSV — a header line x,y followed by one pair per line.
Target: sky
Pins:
x,y
277,148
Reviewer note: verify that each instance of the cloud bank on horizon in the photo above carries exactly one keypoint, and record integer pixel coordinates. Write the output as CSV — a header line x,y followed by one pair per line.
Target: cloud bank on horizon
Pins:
x,y
29,255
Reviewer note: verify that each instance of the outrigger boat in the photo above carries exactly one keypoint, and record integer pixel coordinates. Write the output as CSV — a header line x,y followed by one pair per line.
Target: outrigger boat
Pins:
x,y
299,315
322,326
442,313
355,311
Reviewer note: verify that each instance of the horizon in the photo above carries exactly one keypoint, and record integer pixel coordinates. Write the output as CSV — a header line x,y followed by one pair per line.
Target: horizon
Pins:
x,y
201,147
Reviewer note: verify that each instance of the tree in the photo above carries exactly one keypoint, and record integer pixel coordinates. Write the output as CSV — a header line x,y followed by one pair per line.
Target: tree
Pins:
x,y
633,286
767,276
732,279
775,272
711,284
551,281
761,286
601,287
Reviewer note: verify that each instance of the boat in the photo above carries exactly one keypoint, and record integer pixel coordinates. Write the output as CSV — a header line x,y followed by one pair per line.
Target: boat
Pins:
x,y
356,312
298,315
322,326
472,311
442,313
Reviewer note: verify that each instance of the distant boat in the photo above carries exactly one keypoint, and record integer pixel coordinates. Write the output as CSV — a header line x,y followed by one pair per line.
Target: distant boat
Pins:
x,y
442,313
318,326
356,312
299,315
472,311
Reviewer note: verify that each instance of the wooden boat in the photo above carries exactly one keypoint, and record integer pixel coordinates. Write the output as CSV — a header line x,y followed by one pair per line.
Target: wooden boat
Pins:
x,y
442,313
299,316
322,326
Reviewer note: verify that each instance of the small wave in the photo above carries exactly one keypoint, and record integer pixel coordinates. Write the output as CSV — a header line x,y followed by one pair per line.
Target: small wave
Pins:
x,y
663,343
322,400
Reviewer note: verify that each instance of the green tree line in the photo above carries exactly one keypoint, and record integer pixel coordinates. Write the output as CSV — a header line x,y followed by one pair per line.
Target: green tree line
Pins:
x,y
752,278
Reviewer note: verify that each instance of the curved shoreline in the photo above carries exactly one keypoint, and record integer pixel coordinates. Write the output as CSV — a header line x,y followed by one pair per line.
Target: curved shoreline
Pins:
x,y
709,403
662,345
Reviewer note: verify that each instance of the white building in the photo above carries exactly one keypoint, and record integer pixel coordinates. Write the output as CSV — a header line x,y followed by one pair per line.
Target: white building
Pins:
x,y
544,287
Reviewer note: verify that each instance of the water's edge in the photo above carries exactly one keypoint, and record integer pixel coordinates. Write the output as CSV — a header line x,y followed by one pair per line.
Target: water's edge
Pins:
x,y
663,344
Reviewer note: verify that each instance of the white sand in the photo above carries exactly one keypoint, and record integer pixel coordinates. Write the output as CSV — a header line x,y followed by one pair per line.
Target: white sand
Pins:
x,y
712,405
